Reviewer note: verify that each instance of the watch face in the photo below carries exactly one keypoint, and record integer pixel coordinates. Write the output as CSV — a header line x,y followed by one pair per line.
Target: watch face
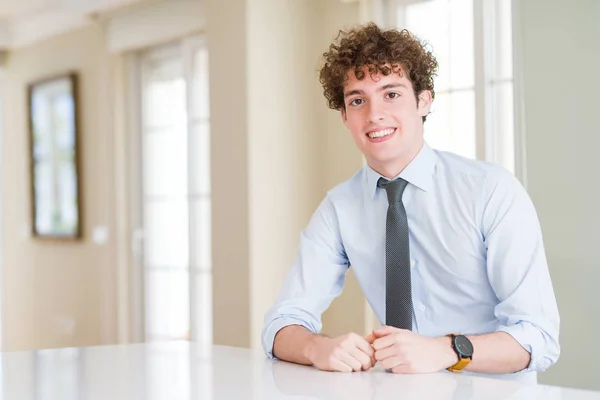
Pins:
x,y
464,346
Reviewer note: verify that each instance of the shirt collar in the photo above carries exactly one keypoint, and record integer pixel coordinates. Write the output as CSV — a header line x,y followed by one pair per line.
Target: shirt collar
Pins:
x,y
418,172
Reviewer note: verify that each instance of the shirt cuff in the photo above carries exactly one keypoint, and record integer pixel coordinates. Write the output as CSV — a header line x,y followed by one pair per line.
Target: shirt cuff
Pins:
x,y
529,336
274,327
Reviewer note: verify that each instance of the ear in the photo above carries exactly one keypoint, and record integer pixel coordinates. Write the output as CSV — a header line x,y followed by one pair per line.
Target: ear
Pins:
x,y
424,104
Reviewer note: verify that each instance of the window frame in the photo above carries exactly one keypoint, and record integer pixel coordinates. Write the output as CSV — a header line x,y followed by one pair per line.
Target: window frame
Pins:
x,y
488,143
185,48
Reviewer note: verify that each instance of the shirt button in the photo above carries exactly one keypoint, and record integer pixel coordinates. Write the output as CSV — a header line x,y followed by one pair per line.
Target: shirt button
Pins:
x,y
412,263
422,307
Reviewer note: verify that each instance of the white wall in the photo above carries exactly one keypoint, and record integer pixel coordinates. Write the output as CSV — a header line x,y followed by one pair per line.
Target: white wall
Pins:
x,y
561,54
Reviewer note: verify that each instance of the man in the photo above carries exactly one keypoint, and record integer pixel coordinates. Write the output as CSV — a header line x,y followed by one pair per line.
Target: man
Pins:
x,y
447,250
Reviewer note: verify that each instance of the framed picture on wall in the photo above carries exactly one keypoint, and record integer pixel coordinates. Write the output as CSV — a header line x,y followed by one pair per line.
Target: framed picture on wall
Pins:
x,y
54,158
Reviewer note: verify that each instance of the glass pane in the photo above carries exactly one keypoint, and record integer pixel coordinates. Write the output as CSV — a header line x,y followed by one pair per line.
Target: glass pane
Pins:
x,y
202,227
502,67
177,226
200,100
437,126
164,101
54,171
462,58
167,304
165,162
451,124
430,21
462,122
503,125
200,159
203,307
447,25
166,231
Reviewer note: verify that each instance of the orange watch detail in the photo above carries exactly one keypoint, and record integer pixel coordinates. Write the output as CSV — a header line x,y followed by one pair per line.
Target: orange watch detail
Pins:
x,y
463,359
458,367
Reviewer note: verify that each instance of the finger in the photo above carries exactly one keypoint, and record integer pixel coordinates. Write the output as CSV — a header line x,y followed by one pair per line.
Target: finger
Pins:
x,y
392,362
383,331
387,330
384,342
347,358
370,338
364,345
334,364
362,358
402,369
387,352
340,366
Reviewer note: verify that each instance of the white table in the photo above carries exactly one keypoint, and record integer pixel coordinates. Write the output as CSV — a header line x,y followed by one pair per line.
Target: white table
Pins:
x,y
180,370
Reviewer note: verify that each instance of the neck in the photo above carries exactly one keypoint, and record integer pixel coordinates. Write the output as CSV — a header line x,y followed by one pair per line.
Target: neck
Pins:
x,y
392,169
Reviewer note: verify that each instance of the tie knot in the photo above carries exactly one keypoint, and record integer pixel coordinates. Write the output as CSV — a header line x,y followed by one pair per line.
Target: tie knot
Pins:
x,y
393,188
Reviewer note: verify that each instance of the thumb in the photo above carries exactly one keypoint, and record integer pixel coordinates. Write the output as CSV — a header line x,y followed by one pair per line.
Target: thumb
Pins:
x,y
382,331
370,338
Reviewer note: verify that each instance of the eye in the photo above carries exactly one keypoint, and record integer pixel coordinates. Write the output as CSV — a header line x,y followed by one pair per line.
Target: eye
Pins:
x,y
392,95
356,102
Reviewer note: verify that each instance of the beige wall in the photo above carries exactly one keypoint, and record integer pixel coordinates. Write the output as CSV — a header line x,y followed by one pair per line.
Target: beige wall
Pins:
x,y
284,156
296,150
560,50
47,285
341,160
268,175
225,28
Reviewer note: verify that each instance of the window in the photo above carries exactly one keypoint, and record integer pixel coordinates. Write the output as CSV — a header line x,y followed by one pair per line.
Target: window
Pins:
x,y
472,114
175,192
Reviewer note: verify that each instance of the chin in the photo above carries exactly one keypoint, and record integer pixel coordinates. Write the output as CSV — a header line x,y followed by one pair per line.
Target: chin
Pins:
x,y
383,158
378,163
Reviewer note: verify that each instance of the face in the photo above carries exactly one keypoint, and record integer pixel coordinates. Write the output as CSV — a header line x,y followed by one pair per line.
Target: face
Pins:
x,y
385,119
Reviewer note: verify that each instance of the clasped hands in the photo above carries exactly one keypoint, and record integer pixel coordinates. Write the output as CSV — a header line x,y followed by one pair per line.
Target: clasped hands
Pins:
x,y
398,350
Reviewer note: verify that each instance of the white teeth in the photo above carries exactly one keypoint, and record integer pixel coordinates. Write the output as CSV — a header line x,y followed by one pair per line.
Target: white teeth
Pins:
x,y
382,133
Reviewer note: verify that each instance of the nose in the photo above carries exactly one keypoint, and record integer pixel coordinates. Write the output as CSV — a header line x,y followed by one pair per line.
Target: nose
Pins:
x,y
374,112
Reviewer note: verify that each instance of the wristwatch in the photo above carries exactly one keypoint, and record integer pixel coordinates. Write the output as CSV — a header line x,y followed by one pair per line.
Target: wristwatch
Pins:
x,y
464,349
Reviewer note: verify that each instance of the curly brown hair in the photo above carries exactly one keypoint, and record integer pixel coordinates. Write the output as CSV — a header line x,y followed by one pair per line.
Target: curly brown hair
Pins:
x,y
386,51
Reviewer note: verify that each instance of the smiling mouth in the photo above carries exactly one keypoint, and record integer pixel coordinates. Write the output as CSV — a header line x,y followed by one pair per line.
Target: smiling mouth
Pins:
x,y
381,133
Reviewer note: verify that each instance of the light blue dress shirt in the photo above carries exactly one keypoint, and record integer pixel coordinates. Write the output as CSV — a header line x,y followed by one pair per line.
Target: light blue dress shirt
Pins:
x,y
477,257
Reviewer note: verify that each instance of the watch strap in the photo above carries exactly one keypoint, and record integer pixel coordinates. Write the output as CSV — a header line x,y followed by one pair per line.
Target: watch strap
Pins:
x,y
460,365
462,361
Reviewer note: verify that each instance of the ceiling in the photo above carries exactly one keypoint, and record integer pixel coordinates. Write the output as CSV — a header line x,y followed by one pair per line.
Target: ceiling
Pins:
x,y
11,8
23,22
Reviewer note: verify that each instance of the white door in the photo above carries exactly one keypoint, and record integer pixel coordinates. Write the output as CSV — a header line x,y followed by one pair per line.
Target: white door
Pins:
x,y
174,200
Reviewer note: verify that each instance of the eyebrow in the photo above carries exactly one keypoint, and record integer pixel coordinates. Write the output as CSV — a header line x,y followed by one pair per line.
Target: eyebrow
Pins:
x,y
384,87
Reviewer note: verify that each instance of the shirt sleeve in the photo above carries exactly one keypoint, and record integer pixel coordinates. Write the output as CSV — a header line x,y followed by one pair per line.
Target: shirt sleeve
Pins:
x,y
315,279
518,270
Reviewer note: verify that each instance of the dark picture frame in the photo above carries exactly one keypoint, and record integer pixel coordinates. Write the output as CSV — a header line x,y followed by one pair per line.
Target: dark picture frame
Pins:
x,y
53,110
